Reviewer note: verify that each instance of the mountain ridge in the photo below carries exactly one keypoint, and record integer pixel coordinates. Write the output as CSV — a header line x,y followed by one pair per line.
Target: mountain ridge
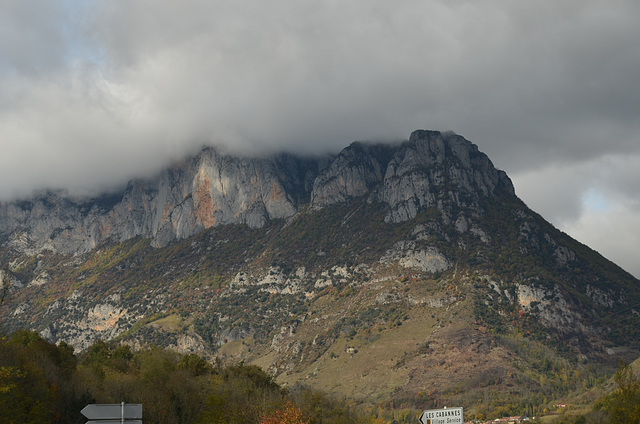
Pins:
x,y
404,268
218,189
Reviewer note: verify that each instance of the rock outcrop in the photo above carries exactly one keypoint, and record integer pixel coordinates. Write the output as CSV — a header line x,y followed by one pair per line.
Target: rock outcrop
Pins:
x,y
209,190
436,169
213,189
353,173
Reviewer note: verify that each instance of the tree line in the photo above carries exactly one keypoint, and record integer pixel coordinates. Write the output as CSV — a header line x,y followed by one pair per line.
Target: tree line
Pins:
x,y
42,383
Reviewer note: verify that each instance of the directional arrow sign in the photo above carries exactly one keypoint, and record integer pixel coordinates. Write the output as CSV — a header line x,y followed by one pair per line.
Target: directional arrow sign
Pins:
x,y
115,422
113,411
442,416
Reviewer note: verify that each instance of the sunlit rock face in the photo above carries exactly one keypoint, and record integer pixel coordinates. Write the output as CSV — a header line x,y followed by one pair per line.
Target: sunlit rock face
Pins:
x,y
213,189
208,190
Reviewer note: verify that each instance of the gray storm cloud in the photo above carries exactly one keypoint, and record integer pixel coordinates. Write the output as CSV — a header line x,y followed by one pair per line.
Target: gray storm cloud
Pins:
x,y
95,93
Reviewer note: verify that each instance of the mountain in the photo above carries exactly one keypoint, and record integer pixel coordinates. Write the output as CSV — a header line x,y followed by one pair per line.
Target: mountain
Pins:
x,y
213,190
407,272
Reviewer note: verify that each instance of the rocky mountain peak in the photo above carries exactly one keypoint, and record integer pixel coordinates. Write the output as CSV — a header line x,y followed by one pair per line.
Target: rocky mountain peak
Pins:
x,y
438,169
215,189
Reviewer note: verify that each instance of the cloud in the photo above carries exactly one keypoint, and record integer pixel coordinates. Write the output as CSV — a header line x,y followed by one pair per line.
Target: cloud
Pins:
x,y
612,232
94,93
595,202
32,37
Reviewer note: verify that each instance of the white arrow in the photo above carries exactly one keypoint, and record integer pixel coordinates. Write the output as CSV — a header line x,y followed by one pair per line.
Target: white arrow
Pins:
x,y
115,422
113,411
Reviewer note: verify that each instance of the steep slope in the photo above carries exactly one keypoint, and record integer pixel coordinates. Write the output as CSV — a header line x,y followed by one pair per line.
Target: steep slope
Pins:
x,y
408,272
209,190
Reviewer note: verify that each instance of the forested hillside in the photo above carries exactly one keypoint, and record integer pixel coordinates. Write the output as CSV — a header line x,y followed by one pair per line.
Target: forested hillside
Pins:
x,y
41,383
44,383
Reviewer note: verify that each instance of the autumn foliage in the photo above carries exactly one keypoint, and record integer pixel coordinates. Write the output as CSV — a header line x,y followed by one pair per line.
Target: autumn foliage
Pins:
x,y
44,383
288,414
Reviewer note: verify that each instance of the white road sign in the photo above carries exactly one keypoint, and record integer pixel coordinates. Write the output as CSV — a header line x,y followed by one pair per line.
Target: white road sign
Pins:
x,y
113,411
115,422
442,416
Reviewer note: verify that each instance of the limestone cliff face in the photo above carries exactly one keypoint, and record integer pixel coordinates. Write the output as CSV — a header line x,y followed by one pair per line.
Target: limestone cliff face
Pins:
x,y
436,169
208,190
355,171
213,189
431,169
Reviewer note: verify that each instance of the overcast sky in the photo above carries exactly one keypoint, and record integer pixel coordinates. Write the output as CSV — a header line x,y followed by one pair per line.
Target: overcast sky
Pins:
x,y
93,93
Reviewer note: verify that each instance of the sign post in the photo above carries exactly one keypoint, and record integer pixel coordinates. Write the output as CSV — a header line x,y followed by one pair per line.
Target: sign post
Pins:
x,y
442,416
113,413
